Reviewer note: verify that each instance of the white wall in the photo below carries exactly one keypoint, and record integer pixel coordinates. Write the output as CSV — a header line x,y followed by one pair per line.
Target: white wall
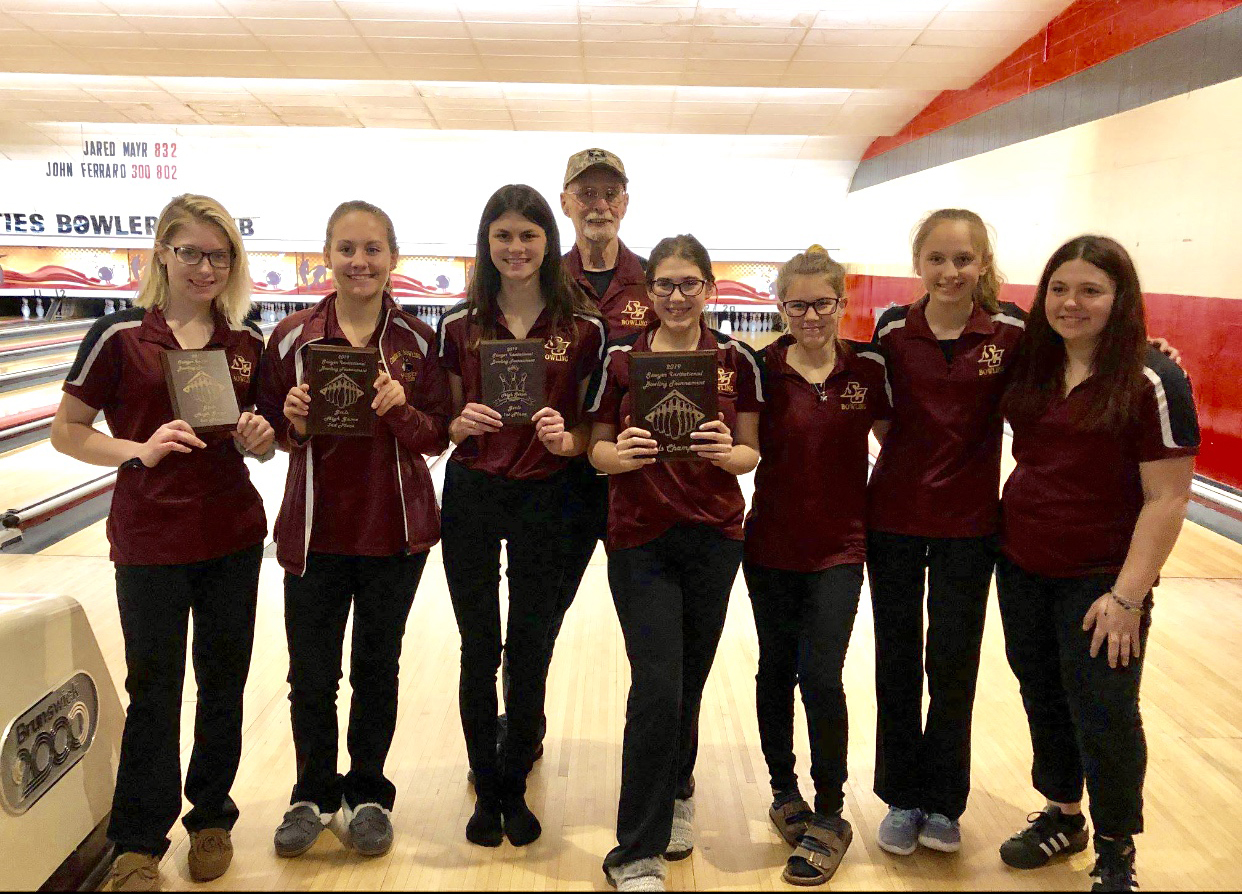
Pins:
x,y
747,198
1165,180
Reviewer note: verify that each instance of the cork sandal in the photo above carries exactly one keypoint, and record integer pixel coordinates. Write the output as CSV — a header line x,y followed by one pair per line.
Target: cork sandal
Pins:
x,y
791,818
819,852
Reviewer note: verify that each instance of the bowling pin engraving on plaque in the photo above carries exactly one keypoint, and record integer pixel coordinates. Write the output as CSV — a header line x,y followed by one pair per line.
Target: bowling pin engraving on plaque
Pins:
x,y
674,393
342,387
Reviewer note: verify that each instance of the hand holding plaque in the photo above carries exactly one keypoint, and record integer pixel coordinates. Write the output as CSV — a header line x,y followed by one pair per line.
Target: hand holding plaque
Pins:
x,y
342,387
512,378
674,393
201,389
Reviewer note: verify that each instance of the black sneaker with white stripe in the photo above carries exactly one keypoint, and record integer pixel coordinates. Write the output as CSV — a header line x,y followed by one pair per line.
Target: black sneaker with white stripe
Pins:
x,y
1050,833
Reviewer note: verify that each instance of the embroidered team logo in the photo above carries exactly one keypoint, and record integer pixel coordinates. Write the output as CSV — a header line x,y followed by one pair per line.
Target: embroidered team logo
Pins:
x,y
241,368
404,364
634,315
557,349
990,360
724,380
854,397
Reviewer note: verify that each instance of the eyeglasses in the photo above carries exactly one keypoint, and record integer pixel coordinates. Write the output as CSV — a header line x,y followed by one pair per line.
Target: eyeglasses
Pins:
x,y
191,256
589,195
690,287
823,306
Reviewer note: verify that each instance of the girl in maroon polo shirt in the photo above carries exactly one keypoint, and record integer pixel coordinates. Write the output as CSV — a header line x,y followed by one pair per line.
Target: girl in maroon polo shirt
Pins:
x,y
1104,439
932,515
186,529
355,526
506,481
674,546
805,546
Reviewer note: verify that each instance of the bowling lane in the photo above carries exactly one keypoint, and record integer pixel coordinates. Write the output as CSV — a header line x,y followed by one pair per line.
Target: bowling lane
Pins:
x,y
35,471
27,363
29,398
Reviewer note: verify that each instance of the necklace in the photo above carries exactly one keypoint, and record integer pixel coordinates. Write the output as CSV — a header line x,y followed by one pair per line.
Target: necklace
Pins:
x,y
820,390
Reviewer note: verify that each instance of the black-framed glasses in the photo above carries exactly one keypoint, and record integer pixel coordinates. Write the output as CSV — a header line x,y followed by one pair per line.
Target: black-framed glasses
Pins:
x,y
823,306
589,195
192,257
690,286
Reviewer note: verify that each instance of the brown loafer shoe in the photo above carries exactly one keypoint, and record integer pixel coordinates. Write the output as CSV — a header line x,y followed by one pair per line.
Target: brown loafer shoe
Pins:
x,y
211,852
134,872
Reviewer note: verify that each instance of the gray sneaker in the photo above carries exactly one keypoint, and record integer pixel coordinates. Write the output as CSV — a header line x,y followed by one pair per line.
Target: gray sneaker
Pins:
x,y
681,839
899,830
370,830
941,833
298,830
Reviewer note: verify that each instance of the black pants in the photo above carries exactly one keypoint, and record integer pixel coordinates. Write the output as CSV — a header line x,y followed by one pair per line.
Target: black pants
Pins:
x,y
584,521
804,622
381,590
671,596
917,765
479,511
155,604
1084,715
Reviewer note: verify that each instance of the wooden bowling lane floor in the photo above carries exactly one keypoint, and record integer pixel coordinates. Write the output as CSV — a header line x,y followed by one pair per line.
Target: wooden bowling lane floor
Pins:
x,y
1192,698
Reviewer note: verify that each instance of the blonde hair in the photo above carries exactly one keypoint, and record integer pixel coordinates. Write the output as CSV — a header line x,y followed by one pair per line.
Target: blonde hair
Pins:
x,y
234,302
987,291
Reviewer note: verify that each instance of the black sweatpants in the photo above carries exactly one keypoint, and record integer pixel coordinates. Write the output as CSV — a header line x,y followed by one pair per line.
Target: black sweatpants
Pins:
x,y
584,523
1084,715
381,591
671,595
479,511
156,603
804,621
926,765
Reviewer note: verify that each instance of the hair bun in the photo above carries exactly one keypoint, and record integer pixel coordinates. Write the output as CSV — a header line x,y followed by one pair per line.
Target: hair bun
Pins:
x,y
816,249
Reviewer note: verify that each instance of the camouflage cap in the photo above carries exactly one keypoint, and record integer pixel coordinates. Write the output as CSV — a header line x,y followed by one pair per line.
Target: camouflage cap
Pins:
x,y
589,158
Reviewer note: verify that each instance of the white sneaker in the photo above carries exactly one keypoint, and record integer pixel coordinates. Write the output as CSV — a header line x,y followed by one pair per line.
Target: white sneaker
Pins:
x,y
681,841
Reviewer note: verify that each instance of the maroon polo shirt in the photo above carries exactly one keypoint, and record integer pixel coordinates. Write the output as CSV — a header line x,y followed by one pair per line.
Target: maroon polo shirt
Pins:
x,y
809,508
625,306
645,503
938,474
192,506
1072,501
365,518
514,451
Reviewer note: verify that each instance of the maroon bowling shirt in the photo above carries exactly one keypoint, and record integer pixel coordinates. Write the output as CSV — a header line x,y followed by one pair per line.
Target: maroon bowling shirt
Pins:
x,y
514,451
938,474
1073,499
192,506
625,306
648,501
356,495
809,509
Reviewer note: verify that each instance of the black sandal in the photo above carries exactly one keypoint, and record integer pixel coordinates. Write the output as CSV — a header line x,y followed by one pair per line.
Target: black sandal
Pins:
x,y
819,852
791,818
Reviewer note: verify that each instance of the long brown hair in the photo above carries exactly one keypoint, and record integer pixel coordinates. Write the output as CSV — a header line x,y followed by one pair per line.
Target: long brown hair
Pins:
x,y
1039,370
562,296
987,290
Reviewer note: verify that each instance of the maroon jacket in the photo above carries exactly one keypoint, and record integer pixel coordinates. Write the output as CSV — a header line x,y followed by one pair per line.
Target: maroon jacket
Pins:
x,y
625,305
407,348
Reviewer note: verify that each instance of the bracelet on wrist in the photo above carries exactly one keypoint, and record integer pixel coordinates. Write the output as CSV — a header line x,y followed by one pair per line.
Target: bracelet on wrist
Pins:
x,y
1133,608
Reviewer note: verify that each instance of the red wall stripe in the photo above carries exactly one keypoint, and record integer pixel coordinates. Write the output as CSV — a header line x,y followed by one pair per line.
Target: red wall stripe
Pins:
x,y
1211,354
1086,33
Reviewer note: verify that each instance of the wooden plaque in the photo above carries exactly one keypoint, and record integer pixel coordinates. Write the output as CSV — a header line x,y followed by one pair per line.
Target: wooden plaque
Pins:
x,y
674,393
512,377
201,389
342,387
